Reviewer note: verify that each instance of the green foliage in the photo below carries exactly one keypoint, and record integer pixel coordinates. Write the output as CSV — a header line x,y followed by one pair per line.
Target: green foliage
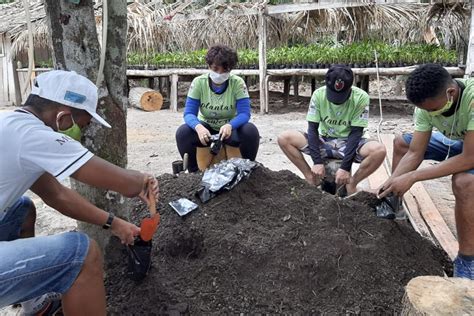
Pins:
x,y
357,54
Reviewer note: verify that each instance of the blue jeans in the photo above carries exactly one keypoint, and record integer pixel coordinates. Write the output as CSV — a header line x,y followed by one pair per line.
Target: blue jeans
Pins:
x,y
10,224
31,267
438,147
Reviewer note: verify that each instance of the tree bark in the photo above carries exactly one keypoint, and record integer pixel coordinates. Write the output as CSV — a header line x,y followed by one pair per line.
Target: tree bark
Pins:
x,y
434,295
73,32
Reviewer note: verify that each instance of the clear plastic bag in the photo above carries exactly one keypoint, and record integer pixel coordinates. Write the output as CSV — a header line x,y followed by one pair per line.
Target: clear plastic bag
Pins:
x,y
183,206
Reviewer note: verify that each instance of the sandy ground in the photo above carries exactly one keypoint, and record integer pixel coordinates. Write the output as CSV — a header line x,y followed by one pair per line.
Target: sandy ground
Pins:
x,y
152,148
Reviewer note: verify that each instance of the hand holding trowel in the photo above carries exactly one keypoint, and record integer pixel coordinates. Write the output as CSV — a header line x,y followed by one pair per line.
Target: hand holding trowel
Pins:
x,y
139,254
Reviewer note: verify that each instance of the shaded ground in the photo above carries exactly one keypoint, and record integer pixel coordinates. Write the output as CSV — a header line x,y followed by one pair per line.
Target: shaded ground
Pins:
x,y
273,244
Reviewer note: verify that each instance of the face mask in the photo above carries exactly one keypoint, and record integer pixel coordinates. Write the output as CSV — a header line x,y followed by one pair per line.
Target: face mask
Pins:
x,y
446,107
74,131
219,78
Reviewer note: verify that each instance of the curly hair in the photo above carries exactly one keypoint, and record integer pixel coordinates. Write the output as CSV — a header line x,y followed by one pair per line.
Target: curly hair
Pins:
x,y
426,82
221,55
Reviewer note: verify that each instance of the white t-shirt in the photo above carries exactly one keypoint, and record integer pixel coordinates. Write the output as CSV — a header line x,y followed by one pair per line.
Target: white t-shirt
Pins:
x,y
28,149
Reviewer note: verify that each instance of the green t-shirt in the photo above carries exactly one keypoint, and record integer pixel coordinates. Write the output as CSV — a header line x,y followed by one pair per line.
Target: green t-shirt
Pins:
x,y
217,109
336,120
464,116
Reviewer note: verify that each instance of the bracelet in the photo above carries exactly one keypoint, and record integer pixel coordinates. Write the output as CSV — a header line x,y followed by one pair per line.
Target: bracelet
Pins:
x,y
110,219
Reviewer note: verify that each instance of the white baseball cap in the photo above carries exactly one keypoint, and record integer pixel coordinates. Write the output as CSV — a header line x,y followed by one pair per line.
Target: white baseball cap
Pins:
x,y
70,89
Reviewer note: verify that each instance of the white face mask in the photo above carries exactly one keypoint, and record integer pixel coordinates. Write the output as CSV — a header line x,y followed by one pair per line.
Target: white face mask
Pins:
x,y
219,78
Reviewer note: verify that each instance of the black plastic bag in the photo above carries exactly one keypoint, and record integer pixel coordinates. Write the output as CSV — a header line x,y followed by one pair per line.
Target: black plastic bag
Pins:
x,y
224,176
139,259
389,207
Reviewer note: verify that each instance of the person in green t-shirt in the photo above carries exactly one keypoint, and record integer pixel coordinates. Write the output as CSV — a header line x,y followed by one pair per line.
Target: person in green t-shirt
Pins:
x,y
337,116
218,103
446,105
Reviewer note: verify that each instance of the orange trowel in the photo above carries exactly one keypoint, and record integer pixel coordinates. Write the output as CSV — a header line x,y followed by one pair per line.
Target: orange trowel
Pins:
x,y
150,224
139,254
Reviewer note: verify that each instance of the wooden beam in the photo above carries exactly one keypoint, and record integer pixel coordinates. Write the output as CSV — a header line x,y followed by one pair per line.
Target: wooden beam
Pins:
x,y
262,59
174,93
298,7
276,72
185,72
357,71
434,220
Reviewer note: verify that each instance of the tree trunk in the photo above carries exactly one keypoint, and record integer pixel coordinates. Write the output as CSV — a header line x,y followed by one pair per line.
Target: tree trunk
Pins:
x,y
72,28
145,99
434,295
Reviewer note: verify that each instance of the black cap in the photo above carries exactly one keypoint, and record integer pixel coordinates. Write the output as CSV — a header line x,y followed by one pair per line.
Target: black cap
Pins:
x,y
339,79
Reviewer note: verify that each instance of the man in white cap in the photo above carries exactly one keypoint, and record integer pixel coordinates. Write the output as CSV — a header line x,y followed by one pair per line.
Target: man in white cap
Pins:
x,y
39,147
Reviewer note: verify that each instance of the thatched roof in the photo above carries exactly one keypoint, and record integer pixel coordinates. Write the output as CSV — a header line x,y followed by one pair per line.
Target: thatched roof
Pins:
x,y
13,23
235,24
12,15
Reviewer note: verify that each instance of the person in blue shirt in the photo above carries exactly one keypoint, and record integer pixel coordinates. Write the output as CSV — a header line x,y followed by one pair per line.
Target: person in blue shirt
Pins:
x,y
218,103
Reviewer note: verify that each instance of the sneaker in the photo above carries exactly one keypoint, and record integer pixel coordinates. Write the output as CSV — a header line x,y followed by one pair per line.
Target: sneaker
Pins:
x,y
46,304
54,308
463,268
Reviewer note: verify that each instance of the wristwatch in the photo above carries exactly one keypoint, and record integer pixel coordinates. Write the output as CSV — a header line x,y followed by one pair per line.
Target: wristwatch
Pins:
x,y
110,219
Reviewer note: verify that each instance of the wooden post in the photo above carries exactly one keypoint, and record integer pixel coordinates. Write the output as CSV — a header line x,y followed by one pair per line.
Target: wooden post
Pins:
x,y
296,86
174,93
364,83
470,49
168,86
286,91
262,57
151,83
16,82
313,85
160,84
247,81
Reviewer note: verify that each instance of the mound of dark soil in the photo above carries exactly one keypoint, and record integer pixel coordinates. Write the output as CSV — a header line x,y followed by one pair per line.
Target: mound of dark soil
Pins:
x,y
272,245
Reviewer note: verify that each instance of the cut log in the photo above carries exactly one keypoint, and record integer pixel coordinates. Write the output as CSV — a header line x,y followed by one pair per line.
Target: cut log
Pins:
x,y
434,295
145,99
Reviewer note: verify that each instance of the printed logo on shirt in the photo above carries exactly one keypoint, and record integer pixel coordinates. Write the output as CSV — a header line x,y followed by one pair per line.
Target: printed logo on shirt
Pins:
x,y
312,108
222,107
365,114
243,87
63,140
337,122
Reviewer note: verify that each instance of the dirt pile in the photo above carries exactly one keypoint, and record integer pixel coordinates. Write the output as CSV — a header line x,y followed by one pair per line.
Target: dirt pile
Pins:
x,y
273,244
